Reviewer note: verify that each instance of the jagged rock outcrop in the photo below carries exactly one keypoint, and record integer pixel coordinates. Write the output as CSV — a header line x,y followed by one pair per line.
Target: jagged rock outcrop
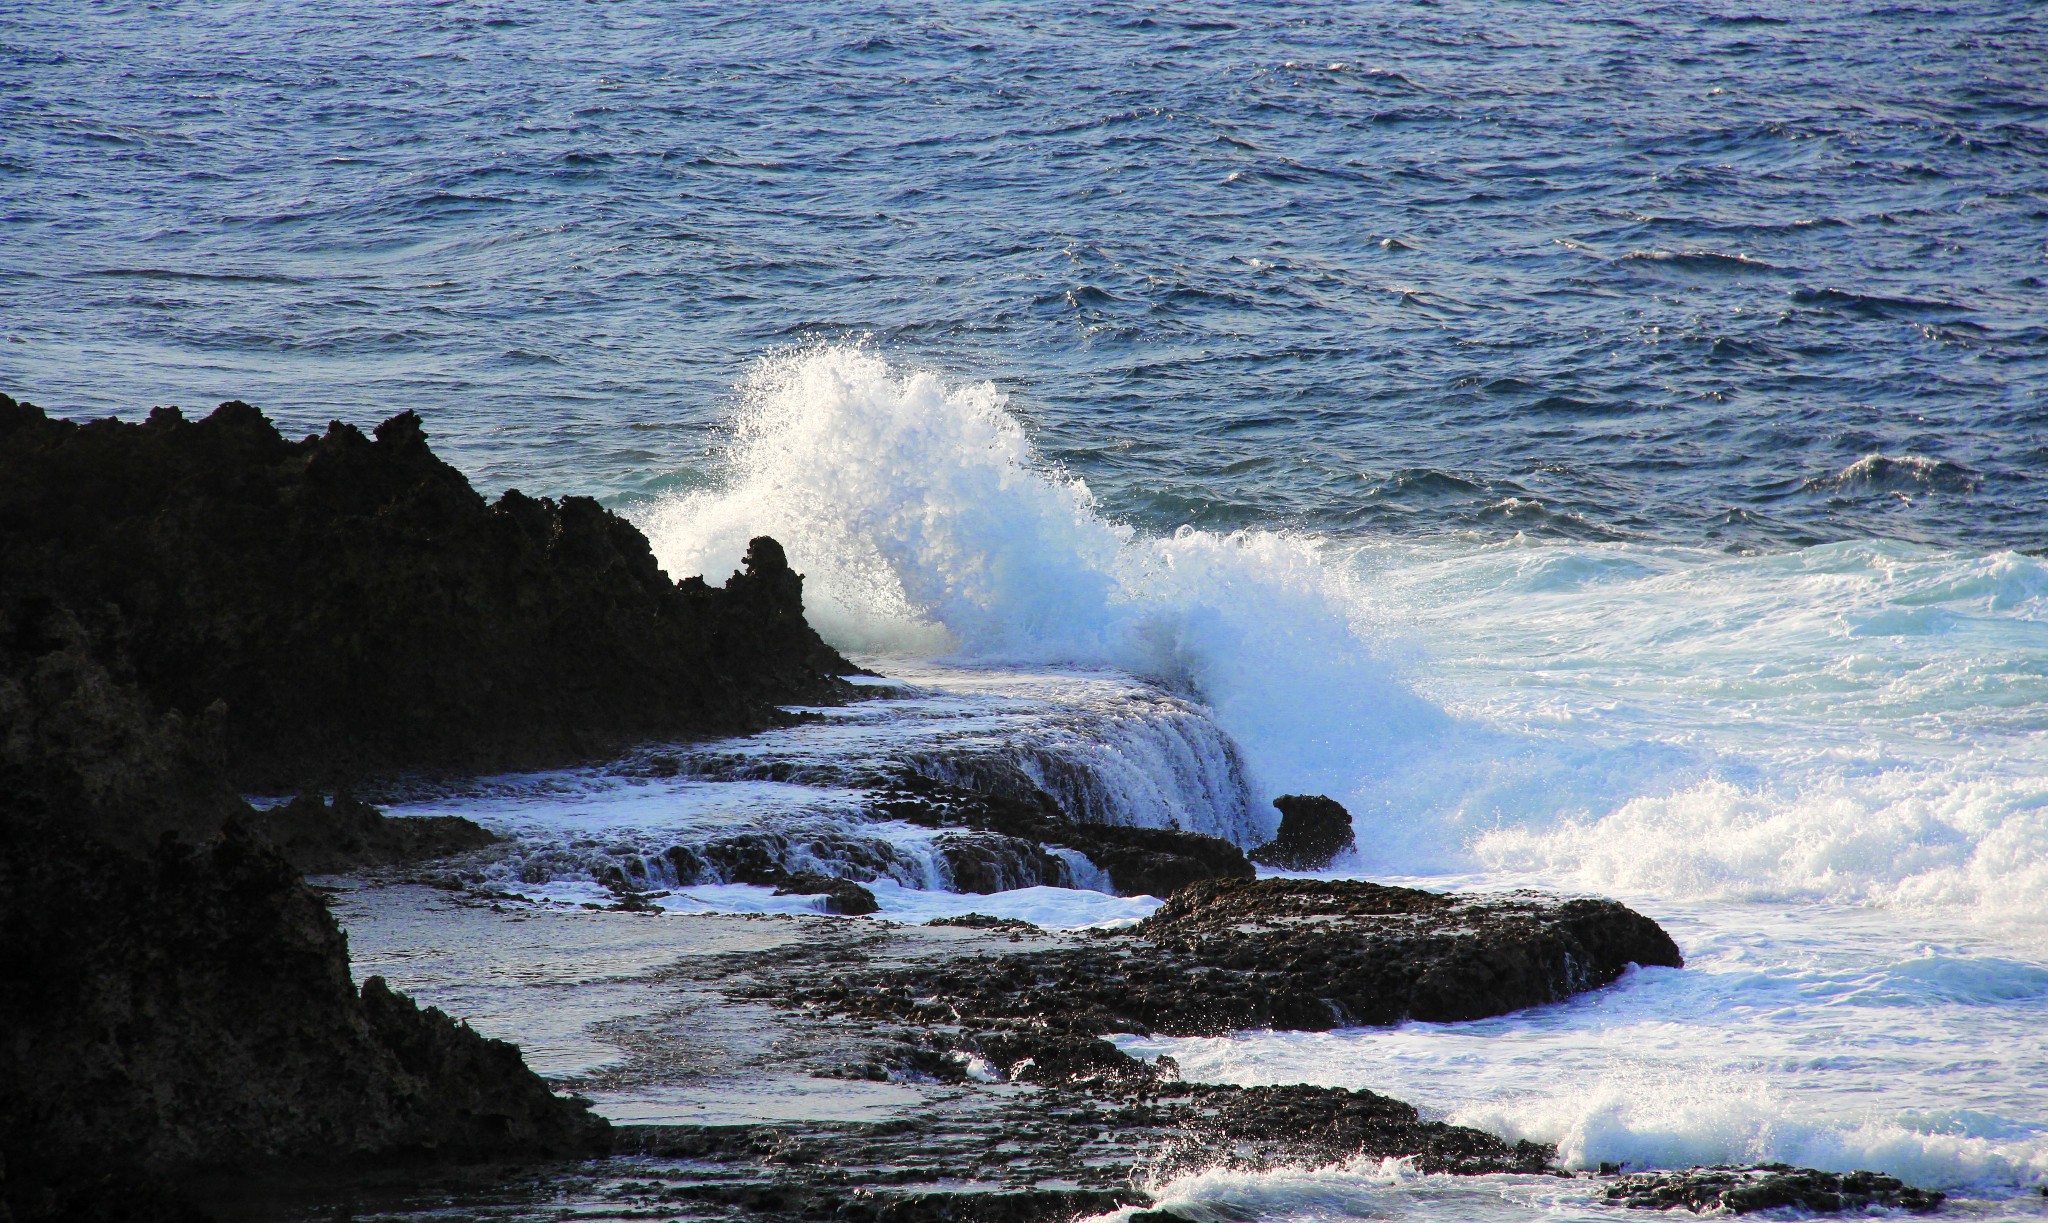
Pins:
x,y
346,605
191,607
1302,954
195,607
173,997
1313,830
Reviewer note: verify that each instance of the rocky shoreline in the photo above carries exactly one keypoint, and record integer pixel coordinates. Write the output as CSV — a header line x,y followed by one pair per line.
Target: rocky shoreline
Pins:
x,y
1290,954
348,606
198,608
949,1114
193,608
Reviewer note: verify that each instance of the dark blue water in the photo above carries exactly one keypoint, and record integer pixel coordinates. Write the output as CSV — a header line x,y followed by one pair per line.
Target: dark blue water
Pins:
x,y
1587,270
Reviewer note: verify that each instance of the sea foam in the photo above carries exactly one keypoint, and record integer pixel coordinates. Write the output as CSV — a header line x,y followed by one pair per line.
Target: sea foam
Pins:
x,y
925,525
1854,722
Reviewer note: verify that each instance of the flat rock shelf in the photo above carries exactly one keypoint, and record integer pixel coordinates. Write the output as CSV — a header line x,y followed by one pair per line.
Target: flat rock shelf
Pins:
x,y
739,1088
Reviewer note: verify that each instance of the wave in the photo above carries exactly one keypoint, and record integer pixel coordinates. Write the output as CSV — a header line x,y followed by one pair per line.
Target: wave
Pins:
x,y
1684,1123
1848,722
1908,837
1385,1189
1363,1188
927,527
1713,262
1871,305
1853,722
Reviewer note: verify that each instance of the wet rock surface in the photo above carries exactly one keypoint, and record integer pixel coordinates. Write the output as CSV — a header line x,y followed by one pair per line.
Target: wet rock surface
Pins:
x,y
1015,827
1008,1121
983,1156
841,896
1281,953
1737,1191
1313,831
984,1119
348,606
320,836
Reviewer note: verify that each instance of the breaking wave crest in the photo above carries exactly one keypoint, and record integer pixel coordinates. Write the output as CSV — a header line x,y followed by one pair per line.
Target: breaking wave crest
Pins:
x,y
926,526
1851,722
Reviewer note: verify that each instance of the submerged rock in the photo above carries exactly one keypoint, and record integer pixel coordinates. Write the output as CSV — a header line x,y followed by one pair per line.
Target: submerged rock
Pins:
x,y
1737,1191
1300,954
349,606
1313,830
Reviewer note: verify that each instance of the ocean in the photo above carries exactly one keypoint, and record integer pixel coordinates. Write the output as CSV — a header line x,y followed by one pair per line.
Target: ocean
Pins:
x,y
1600,445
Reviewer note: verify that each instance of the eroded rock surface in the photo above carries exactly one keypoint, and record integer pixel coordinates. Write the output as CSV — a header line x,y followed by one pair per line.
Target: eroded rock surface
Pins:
x,y
1004,839
1313,831
347,605
195,606
1738,1191
1283,953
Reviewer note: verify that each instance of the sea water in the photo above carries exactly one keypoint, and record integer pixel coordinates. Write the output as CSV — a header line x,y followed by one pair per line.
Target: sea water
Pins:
x,y
1599,445
1822,770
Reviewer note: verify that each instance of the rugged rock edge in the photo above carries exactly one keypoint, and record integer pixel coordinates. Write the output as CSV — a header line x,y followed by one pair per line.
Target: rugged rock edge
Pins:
x,y
348,606
1725,1190
194,604
1302,954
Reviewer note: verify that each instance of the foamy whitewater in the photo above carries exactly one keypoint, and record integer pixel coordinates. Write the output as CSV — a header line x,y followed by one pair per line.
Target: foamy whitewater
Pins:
x,y
1822,770
1610,436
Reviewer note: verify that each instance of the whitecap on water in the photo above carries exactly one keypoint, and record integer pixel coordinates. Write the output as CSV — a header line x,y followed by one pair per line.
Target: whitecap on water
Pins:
x,y
1768,753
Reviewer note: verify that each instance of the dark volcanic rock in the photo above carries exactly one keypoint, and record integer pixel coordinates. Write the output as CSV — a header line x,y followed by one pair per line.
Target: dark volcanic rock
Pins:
x,y
319,837
1284,953
842,896
1730,1190
173,997
1139,861
1097,1117
1300,1126
1214,1124
355,608
192,1008
984,863
1313,830
758,857
985,921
